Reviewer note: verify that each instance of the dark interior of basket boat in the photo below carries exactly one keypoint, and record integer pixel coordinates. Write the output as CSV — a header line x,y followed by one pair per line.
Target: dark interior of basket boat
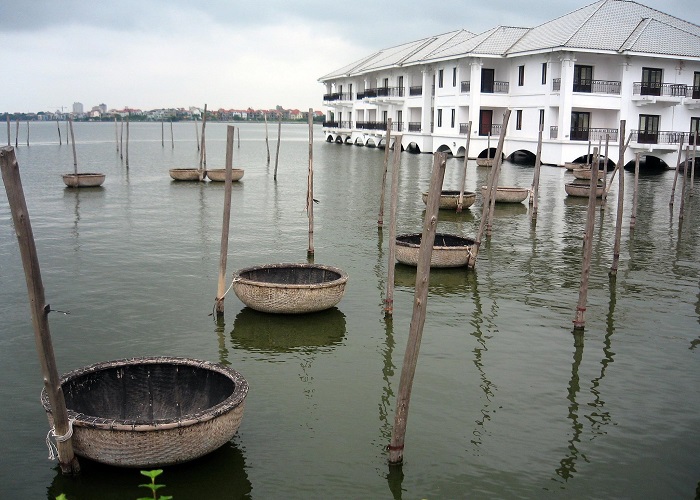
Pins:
x,y
291,275
146,393
452,193
441,240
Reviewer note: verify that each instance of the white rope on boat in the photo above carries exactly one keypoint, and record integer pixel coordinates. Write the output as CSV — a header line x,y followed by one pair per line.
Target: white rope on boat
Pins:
x,y
53,449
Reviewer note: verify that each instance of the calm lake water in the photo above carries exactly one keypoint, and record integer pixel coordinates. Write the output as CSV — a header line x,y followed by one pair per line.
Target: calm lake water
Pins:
x,y
504,404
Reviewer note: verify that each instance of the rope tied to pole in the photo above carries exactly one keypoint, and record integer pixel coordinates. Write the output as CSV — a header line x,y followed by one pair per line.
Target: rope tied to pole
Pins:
x,y
53,449
219,299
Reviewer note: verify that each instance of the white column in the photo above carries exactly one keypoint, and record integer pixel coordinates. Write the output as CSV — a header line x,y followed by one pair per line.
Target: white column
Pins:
x,y
427,115
475,94
565,95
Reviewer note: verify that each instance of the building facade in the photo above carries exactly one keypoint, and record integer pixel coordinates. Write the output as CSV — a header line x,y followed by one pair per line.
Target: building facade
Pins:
x,y
575,77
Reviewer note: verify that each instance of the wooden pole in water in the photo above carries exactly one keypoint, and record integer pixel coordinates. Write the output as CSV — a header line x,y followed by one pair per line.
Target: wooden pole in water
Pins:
x,y
620,166
267,142
39,309
66,132
497,165
420,302
310,186
692,170
588,153
685,176
460,201
203,151
678,166
536,179
605,168
279,138
127,141
196,133
387,150
72,139
9,139
620,205
238,134
633,218
172,136
58,126
488,149
16,132
116,133
223,254
579,320
162,134
394,201
121,139
27,132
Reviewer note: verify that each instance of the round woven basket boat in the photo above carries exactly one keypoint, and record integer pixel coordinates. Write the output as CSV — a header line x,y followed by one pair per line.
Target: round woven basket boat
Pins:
x,y
219,174
484,162
582,189
184,174
290,288
508,194
83,180
448,250
449,199
569,165
151,411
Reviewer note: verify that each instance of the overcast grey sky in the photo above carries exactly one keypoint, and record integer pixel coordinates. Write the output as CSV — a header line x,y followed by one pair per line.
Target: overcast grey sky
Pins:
x,y
227,53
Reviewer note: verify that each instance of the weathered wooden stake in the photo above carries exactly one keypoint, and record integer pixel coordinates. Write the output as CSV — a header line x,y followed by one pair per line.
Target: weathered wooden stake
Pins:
x,y
72,140
460,200
536,180
620,205
39,310
238,134
633,217
127,141
310,185
685,176
620,166
394,201
17,132
279,138
116,133
497,165
58,126
27,132
605,168
692,170
678,166
267,142
420,302
203,149
579,319
9,139
162,134
223,254
172,135
121,140
196,133
387,150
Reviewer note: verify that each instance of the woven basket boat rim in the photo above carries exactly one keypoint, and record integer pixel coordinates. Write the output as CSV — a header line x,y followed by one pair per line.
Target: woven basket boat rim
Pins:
x,y
94,422
445,193
326,284
223,170
84,174
184,170
450,247
507,188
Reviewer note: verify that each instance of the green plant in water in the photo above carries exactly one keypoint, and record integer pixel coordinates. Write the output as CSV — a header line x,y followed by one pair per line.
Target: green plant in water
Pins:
x,y
153,474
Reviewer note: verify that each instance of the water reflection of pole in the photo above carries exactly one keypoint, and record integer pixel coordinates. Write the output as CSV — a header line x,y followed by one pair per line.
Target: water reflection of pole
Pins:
x,y
633,217
678,165
486,385
220,335
567,465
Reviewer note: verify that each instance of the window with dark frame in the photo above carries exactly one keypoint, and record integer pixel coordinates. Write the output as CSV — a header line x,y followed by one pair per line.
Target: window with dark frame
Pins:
x,y
544,73
440,79
454,77
519,119
452,122
439,119
521,76
541,117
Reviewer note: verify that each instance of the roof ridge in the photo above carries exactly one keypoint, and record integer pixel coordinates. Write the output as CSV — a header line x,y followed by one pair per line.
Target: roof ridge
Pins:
x,y
635,33
420,47
595,11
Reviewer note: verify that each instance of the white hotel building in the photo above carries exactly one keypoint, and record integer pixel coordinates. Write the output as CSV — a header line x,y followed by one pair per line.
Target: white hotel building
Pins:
x,y
578,76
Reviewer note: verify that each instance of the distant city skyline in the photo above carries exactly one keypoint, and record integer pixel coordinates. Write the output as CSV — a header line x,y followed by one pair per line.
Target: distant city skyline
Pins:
x,y
162,54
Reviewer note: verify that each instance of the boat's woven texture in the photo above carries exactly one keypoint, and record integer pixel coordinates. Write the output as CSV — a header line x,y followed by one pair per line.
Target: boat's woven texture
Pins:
x,y
290,288
147,412
448,250
449,199
219,174
508,194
